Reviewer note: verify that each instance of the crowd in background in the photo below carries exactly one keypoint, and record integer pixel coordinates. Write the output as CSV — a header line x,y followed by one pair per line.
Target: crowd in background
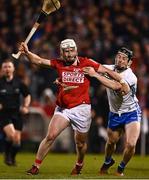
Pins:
x,y
99,28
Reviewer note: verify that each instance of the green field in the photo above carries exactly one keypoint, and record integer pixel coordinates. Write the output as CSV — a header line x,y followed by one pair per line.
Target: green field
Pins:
x,y
58,166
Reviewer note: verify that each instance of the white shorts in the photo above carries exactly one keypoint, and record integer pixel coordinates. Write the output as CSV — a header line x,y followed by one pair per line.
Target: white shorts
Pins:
x,y
79,116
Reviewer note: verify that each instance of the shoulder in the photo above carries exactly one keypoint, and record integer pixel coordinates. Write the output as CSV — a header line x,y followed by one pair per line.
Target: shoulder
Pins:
x,y
85,59
109,66
17,79
130,76
88,61
130,73
56,61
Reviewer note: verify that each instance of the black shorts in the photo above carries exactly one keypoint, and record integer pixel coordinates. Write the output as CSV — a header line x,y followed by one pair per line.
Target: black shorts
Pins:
x,y
11,117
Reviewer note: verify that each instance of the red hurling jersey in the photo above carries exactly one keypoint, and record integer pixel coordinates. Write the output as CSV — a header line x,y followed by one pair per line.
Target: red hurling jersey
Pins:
x,y
73,78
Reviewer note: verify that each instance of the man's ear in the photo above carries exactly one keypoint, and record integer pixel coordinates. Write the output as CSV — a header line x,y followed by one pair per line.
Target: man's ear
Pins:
x,y
129,63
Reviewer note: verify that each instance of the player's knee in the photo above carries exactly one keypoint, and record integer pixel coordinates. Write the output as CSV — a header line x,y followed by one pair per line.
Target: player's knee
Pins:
x,y
130,146
51,136
111,142
11,136
17,140
80,144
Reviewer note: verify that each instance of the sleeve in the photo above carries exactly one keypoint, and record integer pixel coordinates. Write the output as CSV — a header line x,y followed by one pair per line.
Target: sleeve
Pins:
x,y
93,64
130,78
54,63
111,67
24,89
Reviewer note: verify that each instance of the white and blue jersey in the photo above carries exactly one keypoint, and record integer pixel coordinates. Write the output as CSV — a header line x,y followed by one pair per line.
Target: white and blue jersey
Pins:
x,y
123,109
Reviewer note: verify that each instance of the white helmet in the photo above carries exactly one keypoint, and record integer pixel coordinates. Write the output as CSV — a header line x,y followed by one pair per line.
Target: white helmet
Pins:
x,y
68,43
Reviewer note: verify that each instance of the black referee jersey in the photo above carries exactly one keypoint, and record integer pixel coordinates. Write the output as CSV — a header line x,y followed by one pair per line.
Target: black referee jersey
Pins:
x,y
11,93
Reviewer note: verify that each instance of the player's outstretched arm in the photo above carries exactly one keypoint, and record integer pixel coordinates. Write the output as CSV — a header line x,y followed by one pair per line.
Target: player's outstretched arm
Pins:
x,y
34,58
109,83
105,81
114,75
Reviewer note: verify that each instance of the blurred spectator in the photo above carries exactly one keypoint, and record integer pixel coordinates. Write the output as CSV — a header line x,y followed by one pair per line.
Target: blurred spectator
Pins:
x,y
97,134
48,101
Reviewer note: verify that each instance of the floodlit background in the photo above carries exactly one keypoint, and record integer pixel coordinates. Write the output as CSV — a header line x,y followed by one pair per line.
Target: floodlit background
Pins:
x,y
100,28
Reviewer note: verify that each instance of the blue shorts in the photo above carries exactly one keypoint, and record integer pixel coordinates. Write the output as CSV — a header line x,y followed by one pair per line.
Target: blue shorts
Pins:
x,y
119,121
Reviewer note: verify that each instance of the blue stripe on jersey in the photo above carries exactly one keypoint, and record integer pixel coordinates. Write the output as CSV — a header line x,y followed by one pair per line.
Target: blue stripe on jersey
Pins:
x,y
116,120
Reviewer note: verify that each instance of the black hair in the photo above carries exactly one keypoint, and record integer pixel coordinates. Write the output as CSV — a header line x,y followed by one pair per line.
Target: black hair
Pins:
x,y
6,61
126,51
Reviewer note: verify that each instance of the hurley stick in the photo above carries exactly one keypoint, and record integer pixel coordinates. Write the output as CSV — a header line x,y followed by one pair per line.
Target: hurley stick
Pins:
x,y
48,7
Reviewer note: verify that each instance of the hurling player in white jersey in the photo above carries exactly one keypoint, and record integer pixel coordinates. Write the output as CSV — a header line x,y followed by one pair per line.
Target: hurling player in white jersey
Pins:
x,y
125,113
73,102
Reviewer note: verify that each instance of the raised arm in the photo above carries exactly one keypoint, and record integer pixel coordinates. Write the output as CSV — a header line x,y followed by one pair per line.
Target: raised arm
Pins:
x,y
110,83
34,58
114,75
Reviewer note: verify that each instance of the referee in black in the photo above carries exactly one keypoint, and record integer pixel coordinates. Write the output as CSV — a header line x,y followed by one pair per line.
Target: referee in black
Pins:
x,y
15,99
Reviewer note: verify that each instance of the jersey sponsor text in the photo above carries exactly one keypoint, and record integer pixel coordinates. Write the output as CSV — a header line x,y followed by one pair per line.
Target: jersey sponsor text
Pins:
x,y
75,77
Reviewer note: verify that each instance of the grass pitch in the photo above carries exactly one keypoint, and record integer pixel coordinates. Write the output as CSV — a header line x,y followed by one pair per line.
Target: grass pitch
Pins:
x,y
59,166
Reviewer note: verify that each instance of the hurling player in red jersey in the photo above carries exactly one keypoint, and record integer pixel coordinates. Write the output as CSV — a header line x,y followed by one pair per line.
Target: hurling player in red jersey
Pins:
x,y
73,102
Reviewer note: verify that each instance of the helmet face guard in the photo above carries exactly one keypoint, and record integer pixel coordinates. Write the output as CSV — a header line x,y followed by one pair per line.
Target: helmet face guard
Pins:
x,y
67,43
127,52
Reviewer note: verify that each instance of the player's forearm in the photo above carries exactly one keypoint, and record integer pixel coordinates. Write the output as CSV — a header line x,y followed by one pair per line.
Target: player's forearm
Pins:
x,y
108,82
27,101
114,75
34,58
111,73
124,85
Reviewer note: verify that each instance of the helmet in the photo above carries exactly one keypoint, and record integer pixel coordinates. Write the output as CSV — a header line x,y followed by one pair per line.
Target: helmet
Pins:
x,y
68,43
127,52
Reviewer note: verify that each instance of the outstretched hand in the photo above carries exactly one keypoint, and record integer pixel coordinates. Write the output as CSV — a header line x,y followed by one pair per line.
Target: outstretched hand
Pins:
x,y
89,71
